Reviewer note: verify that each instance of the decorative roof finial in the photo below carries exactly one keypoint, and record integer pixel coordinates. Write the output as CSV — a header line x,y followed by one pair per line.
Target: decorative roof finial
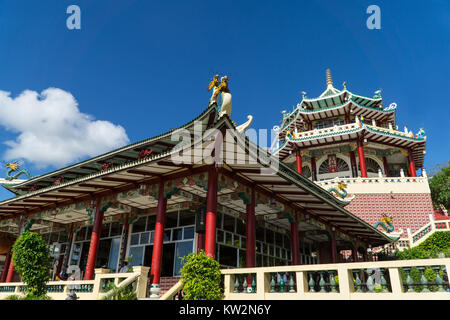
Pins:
x,y
329,79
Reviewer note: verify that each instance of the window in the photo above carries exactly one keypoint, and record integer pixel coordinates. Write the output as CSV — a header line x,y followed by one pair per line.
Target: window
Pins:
x,y
241,227
171,220
177,234
139,225
187,218
134,239
228,223
340,163
145,237
116,229
151,221
260,234
189,233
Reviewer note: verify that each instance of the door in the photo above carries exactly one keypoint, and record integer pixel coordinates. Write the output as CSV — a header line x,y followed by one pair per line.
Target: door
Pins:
x,y
114,254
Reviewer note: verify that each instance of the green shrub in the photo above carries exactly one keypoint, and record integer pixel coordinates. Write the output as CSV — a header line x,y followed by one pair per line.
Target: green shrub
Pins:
x,y
32,261
201,277
120,293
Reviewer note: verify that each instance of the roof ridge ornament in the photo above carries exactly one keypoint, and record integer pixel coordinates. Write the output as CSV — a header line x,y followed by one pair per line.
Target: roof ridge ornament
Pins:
x,y
329,78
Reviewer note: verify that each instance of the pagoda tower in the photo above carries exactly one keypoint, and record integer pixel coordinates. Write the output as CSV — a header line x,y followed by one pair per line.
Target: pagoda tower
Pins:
x,y
351,145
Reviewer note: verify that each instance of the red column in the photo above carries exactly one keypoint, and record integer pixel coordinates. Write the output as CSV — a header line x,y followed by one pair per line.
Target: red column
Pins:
x,y
353,164
200,242
211,209
347,118
362,160
310,127
93,247
386,168
10,275
365,255
6,266
294,243
155,270
298,156
333,249
354,255
313,169
412,166
250,233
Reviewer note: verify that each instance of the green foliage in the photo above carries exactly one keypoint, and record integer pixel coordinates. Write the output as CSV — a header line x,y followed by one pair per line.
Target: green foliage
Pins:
x,y
435,246
28,297
32,261
440,187
201,277
120,293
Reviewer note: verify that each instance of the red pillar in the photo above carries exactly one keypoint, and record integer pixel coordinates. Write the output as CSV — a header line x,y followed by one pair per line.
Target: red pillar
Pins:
x,y
250,233
93,247
386,168
362,160
310,127
200,242
354,254
353,164
6,266
294,243
313,169
298,156
10,275
211,209
347,118
155,270
412,166
333,249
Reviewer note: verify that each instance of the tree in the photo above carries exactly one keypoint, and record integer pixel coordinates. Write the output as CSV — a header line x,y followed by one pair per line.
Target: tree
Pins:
x,y
31,258
440,187
201,277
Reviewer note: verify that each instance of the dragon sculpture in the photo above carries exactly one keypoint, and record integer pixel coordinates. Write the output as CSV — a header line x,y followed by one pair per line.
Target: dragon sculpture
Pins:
x,y
386,223
340,191
14,172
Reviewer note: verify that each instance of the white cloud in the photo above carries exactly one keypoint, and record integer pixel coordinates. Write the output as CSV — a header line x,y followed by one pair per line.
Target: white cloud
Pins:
x,y
52,130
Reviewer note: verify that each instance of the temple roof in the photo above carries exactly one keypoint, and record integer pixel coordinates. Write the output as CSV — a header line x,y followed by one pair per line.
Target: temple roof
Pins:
x,y
349,133
128,185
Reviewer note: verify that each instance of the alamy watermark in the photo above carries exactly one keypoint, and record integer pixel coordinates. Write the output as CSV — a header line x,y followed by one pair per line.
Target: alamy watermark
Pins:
x,y
228,146
74,20
374,20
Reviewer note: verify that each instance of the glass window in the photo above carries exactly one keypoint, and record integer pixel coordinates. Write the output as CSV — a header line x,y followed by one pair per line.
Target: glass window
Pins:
x,y
167,235
152,235
187,218
134,239
81,235
145,237
182,249
105,230
228,223
270,252
54,237
177,234
137,254
189,233
286,241
116,229
259,260
63,235
171,219
242,258
241,228
228,256
220,236
278,239
151,221
260,234
219,219
228,238
139,225
243,243
269,236
236,241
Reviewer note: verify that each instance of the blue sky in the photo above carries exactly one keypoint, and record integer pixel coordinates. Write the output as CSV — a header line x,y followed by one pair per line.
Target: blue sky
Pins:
x,y
141,67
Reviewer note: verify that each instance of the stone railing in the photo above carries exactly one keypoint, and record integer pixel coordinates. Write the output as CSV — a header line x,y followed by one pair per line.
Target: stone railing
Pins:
x,y
379,184
346,281
87,289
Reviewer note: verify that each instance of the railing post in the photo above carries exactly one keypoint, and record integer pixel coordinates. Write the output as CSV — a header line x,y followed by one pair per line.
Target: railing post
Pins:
x,y
345,282
141,282
396,281
227,285
262,284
